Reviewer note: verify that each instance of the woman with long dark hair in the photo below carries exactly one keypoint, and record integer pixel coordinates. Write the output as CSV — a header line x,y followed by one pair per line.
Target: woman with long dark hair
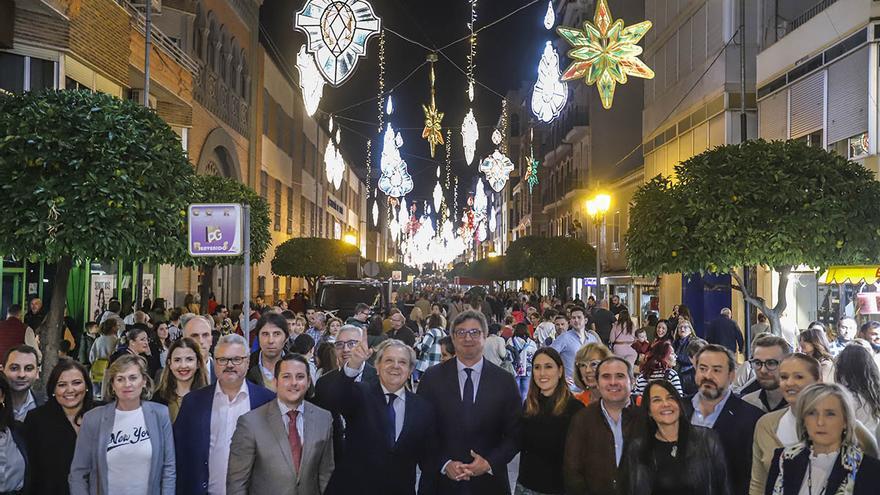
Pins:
x,y
662,333
814,343
184,373
658,366
325,359
547,412
857,372
674,457
51,429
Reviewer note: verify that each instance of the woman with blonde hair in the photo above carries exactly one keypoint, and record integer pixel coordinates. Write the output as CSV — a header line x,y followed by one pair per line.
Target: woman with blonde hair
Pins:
x,y
184,372
828,457
126,446
586,361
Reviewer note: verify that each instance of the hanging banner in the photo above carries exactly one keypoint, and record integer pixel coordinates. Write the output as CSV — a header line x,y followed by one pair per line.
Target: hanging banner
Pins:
x,y
214,229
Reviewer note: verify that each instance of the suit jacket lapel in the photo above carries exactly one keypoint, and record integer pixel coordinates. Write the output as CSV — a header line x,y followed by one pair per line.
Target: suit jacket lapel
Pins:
x,y
380,403
408,416
276,425
795,473
308,437
108,417
837,476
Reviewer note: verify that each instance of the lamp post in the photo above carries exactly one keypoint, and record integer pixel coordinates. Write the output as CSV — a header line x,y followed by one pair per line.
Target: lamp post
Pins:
x,y
597,206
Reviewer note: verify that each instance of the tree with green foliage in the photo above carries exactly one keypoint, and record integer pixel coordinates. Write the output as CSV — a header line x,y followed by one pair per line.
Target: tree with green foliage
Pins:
x,y
86,176
386,268
213,189
550,257
779,204
312,258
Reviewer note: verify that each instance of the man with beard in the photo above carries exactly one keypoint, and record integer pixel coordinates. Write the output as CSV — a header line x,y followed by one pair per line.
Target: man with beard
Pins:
x,y
717,408
767,355
846,332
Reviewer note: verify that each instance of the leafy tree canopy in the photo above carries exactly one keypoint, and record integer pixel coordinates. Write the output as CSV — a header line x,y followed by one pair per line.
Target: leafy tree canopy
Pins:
x,y
779,204
213,189
311,258
386,268
87,175
550,257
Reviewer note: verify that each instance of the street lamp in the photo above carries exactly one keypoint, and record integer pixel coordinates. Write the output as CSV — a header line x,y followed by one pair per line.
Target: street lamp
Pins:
x,y
350,239
597,206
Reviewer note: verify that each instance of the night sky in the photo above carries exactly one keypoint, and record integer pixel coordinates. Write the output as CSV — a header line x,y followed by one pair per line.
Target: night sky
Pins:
x,y
507,53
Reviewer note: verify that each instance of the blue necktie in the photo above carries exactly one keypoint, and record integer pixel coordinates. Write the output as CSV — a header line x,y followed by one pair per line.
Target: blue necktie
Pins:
x,y
392,417
468,395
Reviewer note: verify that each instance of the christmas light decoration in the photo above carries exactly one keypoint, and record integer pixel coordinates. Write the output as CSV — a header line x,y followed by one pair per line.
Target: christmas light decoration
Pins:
x,y
492,222
334,165
311,84
550,16
497,168
605,52
438,196
433,132
470,133
531,175
549,94
337,32
480,199
375,213
381,87
395,180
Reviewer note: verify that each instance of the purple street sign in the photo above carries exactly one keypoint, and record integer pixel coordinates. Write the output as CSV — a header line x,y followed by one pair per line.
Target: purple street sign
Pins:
x,y
214,230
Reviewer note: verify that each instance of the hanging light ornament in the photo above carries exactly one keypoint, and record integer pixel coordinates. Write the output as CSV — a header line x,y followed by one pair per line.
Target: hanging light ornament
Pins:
x,y
480,200
549,94
496,166
433,132
492,222
311,84
334,165
395,180
531,175
605,52
337,32
550,16
470,132
438,196
375,213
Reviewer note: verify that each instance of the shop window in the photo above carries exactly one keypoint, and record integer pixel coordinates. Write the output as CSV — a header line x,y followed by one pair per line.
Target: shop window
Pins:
x,y
11,72
812,139
42,74
858,146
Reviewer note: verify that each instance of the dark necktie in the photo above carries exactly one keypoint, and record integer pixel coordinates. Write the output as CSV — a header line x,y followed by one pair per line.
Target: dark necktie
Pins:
x,y
296,448
392,417
468,394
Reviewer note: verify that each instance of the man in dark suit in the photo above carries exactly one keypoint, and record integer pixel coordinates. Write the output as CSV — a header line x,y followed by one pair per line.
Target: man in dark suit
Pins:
x,y
399,330
347,340
272,332
477,405
717,408
389,430
724,331
207,418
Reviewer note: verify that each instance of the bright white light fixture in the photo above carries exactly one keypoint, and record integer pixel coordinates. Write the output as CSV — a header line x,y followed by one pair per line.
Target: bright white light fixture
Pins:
x,y
375,213
492,222
497,168
395,180
438,196
549,94
337,32
480,199
470,133
550,16
311,83
334,165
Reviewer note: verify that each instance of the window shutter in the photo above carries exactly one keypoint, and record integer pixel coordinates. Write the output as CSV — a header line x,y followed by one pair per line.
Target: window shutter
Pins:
x,y
848,96
773,116
807,101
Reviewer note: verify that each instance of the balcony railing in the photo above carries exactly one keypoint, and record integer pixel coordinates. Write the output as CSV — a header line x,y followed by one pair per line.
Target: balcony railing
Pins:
x,y
807,15
214,94
161,40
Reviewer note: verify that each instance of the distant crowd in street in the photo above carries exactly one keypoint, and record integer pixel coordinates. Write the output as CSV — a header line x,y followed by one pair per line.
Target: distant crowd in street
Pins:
x,y
437,394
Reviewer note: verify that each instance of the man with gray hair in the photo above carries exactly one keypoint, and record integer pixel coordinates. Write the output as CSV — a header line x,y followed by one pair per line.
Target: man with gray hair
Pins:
x,y
207,418
377,453
198,328
724,331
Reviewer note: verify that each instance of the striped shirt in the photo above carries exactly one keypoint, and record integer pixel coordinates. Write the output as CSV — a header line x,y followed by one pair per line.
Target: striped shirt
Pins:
x,y
642,382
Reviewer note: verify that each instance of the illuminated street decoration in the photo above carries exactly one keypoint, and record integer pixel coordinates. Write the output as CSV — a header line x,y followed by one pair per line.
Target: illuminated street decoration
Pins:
x,y
337,32
550,16
438,196
492,222
395,180
334,165
375,213
469,136
532,172
605,52
311,83
433,132
549,94
497,168
480,200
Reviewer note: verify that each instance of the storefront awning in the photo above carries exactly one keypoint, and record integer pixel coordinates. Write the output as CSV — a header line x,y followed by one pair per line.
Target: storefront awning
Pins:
x,y
851,274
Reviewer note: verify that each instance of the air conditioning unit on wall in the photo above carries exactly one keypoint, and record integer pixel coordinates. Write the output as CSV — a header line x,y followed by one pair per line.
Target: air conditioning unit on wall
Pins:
x,y
137,95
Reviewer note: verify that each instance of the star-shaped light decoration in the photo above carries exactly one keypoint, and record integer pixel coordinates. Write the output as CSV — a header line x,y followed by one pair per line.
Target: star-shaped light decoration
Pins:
x,y
605,52
532,172
497,168
311,83
433,132
337,31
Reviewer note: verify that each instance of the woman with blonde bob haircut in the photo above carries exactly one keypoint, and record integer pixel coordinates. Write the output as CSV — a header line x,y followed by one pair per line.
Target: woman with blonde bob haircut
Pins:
x,y
829,458
126,446
586,361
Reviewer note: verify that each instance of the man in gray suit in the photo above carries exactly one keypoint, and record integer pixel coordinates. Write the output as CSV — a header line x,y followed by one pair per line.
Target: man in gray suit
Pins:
x,y
303,431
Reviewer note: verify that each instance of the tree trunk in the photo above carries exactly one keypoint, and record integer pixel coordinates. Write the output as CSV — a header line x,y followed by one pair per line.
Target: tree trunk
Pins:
x,y
205,286
312,282
52,330
775,313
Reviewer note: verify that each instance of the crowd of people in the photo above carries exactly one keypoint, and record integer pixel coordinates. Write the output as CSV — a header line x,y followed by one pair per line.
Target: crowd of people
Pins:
x,y
438,394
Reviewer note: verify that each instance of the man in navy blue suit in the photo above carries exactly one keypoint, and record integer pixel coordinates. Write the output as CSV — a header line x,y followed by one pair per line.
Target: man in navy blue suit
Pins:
x,y
389,430
477,406
716,407
207,418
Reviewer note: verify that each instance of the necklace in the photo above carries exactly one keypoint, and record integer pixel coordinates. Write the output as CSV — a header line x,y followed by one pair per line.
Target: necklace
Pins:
x,y
810,478
674,451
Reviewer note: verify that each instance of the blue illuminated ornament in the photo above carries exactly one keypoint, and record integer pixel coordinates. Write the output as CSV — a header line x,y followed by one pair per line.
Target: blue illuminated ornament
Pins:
x,y
497,168
337,32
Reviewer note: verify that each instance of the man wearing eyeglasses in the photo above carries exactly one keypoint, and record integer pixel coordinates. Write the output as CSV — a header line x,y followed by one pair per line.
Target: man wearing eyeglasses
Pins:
x,y
477,405
204,427
768,351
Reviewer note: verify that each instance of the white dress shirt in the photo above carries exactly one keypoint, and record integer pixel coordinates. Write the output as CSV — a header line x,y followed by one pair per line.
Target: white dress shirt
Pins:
x,y
286,418
224,417
475,376
399,403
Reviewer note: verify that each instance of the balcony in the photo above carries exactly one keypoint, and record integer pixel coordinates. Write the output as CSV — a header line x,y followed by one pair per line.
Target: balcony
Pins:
x,y
806,16
213,93
168,46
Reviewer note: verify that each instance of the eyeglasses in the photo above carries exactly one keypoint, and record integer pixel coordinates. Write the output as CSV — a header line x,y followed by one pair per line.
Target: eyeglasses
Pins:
x,y
769,365
592,364
346,344
224,361
468,332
